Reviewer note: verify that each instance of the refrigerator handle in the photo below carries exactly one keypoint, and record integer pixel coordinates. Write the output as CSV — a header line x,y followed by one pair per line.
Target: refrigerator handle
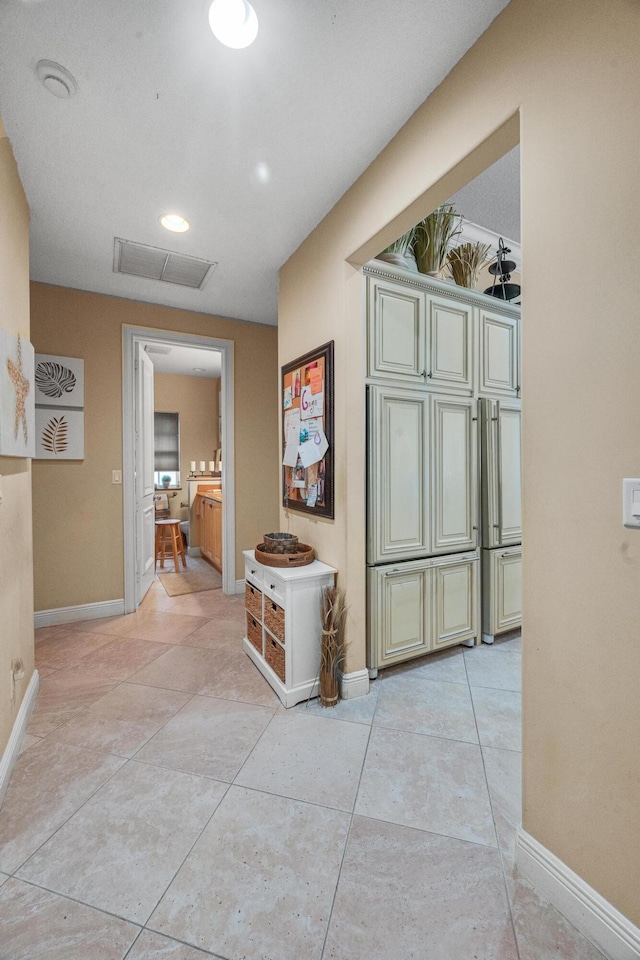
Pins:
x,y
499,472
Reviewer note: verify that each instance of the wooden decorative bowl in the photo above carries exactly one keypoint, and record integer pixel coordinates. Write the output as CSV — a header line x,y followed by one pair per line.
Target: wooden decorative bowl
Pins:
x,y
304,556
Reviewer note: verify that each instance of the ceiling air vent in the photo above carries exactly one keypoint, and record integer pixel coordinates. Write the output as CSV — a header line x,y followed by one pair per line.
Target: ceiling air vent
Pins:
x,y
139,260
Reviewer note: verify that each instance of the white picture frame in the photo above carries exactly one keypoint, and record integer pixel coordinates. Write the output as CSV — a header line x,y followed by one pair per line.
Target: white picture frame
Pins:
x,y
59,434
17,413
59,381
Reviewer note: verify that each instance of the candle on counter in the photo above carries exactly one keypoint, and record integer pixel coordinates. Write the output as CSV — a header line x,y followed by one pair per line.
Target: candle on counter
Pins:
x,y
202,466
212,466
192,464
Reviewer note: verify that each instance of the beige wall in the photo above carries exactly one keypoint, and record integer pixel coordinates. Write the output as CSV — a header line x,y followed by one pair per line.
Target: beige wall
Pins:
x,y
196,399
16,579
571,71
77,511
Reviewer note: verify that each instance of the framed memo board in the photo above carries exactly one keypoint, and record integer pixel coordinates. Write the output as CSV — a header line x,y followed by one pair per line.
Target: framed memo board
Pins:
x,y
307,433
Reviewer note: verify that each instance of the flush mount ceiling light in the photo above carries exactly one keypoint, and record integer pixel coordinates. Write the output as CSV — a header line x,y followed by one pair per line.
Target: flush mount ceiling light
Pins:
x,y
175,223
56,79
233,22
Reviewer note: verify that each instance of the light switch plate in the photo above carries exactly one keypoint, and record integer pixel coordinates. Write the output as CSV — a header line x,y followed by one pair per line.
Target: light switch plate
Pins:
x,y
631,502
116,476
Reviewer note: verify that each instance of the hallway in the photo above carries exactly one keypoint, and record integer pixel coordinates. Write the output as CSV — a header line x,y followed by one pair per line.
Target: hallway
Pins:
x,y
166,805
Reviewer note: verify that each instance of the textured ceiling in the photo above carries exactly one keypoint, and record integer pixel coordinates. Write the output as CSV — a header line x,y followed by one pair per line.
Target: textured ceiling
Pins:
x,y
493,199
253,146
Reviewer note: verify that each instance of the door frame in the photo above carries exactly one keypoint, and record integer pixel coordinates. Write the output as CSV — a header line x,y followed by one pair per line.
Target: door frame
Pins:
x,y
130,336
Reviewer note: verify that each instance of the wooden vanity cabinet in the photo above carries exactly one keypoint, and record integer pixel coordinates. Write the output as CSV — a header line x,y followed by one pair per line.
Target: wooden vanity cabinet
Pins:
x,y
211,531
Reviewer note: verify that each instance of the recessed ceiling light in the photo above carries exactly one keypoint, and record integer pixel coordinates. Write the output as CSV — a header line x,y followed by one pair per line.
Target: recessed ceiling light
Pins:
x,y
233,22
199,370
175,223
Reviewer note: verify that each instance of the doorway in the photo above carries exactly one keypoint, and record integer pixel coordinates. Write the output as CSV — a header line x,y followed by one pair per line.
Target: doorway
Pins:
x,y
133,340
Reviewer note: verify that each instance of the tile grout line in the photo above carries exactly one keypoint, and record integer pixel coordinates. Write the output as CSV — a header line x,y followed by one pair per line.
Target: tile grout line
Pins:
x,y
346,842
493,818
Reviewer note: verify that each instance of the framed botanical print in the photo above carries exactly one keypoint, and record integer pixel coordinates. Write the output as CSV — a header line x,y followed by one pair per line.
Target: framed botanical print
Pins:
x,y
307,433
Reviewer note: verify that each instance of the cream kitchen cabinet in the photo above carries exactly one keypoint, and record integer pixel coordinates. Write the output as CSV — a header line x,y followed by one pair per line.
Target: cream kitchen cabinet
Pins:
x,y
419,338
284,624
422,496
451,340
498,355
419,606
502,591
396,342
501,475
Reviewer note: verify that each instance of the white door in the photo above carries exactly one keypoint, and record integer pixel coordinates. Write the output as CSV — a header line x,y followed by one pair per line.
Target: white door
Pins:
x,y
454,479
144,464
398,474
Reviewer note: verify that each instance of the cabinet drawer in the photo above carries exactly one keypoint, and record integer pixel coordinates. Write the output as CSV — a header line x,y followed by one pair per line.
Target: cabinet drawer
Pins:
x,y
253,573
254,632
274,619
274,655
253,600
273,587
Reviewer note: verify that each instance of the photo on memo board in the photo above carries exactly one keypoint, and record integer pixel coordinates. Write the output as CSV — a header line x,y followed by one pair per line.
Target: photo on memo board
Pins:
x,y
307,432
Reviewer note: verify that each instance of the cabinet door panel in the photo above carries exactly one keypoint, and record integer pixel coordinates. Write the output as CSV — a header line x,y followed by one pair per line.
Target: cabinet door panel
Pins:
x,y
401,604
510,475
396,330
450,345
456,602
508,595
398,474
501,473
454,481
498,355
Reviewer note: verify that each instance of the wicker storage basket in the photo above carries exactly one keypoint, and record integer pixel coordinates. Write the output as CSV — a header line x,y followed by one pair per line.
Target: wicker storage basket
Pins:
x,y
274,618
254,633
274,655
253,600
280,543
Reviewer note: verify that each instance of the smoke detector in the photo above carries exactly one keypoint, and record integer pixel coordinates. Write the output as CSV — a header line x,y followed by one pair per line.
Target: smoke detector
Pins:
x,y
56,79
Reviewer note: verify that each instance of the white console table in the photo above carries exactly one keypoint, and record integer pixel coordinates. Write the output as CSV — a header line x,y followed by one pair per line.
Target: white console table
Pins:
x,y
283,624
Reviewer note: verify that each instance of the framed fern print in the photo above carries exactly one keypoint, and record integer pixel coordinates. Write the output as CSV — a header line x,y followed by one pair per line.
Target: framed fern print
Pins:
x,y
59,434
59,396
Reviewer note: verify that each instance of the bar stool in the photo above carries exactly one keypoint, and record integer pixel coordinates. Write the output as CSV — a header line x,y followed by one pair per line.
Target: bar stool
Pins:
x,y
168,537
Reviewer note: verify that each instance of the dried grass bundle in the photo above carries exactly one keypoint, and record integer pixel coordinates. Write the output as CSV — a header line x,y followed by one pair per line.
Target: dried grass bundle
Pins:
x,y
465,262
332,648
433,236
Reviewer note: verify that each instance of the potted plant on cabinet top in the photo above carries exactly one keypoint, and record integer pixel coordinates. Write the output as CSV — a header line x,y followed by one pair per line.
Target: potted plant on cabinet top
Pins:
x,y
433,236
465,262
400,252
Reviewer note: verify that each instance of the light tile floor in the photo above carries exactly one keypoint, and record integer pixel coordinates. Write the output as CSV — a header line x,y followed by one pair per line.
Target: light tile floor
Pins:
x,y
166,805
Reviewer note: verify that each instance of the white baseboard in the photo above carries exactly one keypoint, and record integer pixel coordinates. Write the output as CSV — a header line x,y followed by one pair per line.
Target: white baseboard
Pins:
x,y
16,736
239,586
616,936
85,611
354,684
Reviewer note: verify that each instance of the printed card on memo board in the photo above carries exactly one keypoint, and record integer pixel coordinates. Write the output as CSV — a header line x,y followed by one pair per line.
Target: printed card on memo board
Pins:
x,y
307,433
